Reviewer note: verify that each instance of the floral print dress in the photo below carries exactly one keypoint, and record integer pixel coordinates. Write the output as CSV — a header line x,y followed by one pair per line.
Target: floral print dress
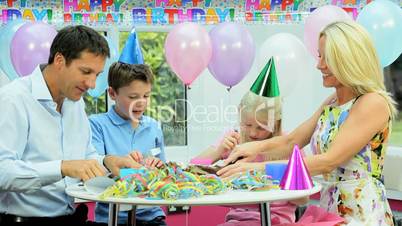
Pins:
x,y
354,190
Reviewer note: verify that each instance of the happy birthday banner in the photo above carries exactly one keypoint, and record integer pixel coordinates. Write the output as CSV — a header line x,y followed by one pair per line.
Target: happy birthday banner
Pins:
x,y
164,12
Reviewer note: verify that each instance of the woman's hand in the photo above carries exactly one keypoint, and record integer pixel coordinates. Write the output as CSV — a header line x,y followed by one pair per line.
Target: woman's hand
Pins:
x,y
246,152
239,167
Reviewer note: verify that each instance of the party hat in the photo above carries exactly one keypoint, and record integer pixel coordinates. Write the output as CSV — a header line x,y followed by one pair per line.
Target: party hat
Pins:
x,y
296,176
266,86
131,53
266,83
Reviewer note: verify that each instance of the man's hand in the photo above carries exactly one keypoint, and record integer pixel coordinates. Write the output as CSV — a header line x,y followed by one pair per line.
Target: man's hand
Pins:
x,y
239,167
115,163
82,169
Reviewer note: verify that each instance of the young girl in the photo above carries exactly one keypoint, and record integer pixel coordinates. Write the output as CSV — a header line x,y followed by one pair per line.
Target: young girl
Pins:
x,y
255,116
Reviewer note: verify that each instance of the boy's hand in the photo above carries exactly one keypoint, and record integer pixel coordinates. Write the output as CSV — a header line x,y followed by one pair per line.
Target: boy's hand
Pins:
x,y
229,142
137,156
115,163
153,162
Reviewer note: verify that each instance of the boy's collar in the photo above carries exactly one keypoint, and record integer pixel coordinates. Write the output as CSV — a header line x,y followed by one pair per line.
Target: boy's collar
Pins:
x,y
117,119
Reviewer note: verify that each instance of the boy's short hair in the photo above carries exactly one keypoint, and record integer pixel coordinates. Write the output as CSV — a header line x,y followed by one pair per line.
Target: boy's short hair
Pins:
x,y
71,41
122,74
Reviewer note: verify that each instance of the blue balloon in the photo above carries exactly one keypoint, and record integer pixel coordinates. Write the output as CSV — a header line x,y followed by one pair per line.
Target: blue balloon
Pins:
x,y
101,80
6,35
383,20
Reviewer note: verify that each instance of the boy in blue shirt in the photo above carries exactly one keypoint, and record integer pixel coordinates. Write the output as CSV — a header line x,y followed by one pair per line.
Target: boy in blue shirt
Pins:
x,y
125,130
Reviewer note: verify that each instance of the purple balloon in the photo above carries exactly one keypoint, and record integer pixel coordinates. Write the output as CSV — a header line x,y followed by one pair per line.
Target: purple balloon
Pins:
x,y
31,46
233,52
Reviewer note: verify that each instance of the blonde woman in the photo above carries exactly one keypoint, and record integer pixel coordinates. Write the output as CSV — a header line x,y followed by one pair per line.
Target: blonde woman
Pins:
x,y
348,133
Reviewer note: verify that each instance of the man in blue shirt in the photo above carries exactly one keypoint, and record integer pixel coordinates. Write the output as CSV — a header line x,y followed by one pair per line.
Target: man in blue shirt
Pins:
x,y
125,130
45,137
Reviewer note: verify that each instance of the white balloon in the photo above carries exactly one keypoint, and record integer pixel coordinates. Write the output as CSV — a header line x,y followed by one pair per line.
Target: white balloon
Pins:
x,y
291,59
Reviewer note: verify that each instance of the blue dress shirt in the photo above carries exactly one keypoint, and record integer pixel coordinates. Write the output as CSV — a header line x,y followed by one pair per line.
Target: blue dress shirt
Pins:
x,y
34,139
113,135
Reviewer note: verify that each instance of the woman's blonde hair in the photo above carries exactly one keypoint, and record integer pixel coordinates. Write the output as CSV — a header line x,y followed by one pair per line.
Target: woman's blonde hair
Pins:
x,y
260,108
352,58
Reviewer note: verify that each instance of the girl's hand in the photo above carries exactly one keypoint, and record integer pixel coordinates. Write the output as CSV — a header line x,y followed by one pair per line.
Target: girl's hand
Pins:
x,y
239,167
229,142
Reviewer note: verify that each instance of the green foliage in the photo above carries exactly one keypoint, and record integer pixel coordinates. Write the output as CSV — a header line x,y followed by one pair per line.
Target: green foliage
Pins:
x,y
396,134
167,91
93,106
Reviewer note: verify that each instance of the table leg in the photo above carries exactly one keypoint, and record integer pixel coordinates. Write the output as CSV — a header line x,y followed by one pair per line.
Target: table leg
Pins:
x,y
113,214
131,216
265,214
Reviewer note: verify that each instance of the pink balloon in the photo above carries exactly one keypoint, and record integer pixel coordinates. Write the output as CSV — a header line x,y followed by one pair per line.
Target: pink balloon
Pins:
x,y
188,51
30,46
317,21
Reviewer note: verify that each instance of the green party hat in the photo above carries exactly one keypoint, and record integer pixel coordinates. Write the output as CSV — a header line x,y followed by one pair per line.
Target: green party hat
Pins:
x,y
266,83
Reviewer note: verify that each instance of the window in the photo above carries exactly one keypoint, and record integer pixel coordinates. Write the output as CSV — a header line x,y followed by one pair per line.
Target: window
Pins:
x,y
168,92
393,81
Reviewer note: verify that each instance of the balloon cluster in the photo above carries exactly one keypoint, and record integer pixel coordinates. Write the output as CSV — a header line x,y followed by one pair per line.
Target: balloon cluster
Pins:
x,y
382,19
228,51
24,45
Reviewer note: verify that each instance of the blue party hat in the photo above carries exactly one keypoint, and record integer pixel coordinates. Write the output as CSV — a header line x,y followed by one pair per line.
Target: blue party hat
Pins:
x,y
131,53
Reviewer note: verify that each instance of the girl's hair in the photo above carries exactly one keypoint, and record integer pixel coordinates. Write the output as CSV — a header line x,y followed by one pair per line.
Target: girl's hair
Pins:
x,y
352,58
260,108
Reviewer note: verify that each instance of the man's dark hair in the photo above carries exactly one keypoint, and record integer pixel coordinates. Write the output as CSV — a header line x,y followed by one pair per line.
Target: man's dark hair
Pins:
x,y
122,74
71,41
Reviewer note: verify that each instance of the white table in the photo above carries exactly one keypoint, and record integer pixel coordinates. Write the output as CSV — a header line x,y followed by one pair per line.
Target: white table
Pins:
x,y
228,198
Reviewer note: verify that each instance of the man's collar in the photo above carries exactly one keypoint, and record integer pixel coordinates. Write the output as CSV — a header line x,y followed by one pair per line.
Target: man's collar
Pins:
x,y
40,90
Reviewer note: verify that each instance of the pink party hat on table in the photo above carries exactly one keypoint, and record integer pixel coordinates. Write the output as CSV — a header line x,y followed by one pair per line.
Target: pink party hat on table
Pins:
x,y
296,176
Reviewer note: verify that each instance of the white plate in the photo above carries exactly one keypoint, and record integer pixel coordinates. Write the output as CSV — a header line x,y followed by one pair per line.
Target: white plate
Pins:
x,y
97,185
